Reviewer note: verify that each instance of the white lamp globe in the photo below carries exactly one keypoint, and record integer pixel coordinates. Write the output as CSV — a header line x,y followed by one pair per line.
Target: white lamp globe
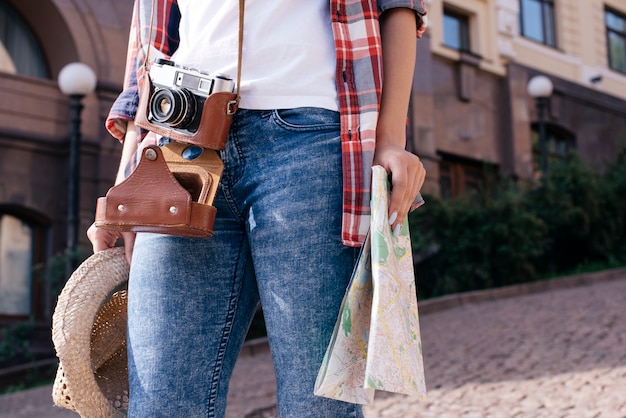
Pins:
x,y
77,79
540,86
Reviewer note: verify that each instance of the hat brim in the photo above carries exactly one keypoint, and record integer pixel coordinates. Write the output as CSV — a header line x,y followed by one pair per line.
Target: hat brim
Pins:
x,y
89,336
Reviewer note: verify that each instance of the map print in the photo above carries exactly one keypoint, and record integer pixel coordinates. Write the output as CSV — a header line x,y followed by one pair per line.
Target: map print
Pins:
x,y
376,344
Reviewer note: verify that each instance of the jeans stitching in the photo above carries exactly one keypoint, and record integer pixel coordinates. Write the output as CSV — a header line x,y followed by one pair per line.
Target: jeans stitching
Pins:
x,y
231,202
221,353
235,136
228,178
319,126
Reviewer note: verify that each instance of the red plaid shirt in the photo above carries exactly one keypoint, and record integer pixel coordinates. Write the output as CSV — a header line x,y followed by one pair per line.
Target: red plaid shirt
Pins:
x,y
359,83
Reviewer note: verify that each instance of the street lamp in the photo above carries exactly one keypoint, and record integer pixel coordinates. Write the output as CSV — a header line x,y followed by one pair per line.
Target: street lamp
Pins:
x,y
540,88
76,80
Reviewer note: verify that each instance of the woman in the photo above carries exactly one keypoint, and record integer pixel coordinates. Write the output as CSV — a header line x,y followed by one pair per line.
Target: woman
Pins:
x,y
293,202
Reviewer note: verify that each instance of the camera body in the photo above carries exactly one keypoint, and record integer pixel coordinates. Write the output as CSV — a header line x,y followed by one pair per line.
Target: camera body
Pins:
x,y
179,94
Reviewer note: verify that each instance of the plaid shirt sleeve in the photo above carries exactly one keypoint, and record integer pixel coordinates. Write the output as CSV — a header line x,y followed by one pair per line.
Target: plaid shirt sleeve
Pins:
x,y
161,40
359,83
416,5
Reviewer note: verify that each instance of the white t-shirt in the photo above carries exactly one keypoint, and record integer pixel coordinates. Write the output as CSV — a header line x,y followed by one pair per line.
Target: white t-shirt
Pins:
x,y
288,49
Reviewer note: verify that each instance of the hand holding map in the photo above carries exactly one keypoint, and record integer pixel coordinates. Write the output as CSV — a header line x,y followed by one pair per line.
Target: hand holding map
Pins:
x,y
376,343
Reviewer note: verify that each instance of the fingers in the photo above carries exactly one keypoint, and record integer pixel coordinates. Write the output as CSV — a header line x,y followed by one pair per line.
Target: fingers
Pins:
x,y
129,244
407,175
400,191
406,184
102,239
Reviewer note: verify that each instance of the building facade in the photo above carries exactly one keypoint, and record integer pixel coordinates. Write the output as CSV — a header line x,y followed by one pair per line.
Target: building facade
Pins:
x,y
37,39
470,109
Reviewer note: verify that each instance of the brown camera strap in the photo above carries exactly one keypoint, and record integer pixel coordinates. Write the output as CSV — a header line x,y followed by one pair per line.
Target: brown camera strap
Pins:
x,y
240,46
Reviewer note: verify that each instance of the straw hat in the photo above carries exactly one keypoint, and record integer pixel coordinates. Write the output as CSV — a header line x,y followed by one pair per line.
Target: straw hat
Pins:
x,y
89,335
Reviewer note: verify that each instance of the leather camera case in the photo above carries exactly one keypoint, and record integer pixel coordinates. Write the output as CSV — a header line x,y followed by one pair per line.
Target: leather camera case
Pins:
x,y
165,194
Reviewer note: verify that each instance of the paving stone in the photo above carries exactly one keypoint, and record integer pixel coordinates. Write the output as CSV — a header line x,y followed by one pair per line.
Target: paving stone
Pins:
x,y
558,353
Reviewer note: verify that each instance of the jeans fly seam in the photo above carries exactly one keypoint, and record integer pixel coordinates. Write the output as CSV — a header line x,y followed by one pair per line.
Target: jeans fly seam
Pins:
x,y
235,130
232,204
231,164
230,177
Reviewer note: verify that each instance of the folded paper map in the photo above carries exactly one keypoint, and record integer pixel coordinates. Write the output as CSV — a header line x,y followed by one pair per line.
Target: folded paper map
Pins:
x,y
376,343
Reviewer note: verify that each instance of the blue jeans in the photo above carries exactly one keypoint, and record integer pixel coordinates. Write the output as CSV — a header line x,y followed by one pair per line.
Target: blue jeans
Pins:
x,y
277,240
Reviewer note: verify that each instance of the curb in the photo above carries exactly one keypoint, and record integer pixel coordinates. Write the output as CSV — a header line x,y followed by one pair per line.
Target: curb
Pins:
x,y
460,299
44,368
429,306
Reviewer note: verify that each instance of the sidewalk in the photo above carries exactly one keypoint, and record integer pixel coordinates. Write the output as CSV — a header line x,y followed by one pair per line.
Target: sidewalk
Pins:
x,y
555,349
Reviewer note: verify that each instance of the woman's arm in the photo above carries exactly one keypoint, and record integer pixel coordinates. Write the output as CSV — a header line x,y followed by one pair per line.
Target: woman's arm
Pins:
x,y
398,34
100,238
128,150
120,119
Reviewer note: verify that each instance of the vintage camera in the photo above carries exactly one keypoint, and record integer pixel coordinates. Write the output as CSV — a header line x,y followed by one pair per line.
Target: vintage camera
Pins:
x,y
179,94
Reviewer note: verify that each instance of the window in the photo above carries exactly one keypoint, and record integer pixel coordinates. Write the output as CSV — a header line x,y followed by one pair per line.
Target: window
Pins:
x,y
616,40
459,175
559,143
16,266
456,30
19,50
537,21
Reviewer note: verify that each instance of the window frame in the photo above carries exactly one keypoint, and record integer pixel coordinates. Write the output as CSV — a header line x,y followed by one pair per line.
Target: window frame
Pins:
x,y
41,68
557,137
465,41
464,174
609,30
545,24
39,227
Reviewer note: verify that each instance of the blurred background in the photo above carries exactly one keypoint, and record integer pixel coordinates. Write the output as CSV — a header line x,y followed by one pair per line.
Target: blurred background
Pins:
x,y
518,112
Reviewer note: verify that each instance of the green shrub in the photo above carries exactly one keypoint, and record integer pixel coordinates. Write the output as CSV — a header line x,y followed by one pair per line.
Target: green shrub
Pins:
x,y
615,179
571,204
475,242
585,214
14,344
575,218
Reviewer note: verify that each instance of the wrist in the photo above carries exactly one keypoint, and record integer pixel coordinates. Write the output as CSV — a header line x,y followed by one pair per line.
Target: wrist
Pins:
x,y
388,138
391,129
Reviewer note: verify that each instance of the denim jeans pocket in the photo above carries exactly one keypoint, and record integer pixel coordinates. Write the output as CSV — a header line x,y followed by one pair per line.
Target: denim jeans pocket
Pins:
x,y
306,119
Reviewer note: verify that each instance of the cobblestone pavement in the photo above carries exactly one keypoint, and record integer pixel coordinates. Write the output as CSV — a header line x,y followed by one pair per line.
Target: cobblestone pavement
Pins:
x,y
559,353
555,354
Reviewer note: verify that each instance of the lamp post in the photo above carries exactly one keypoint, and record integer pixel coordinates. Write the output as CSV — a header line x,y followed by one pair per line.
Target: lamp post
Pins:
x,y
76,80
540,88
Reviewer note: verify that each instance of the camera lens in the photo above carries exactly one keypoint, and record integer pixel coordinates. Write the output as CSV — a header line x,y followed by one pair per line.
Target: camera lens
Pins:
x,y
174,107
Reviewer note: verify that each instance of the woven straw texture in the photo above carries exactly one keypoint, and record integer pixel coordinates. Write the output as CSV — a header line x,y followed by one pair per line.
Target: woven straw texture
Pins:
x,y
89,335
